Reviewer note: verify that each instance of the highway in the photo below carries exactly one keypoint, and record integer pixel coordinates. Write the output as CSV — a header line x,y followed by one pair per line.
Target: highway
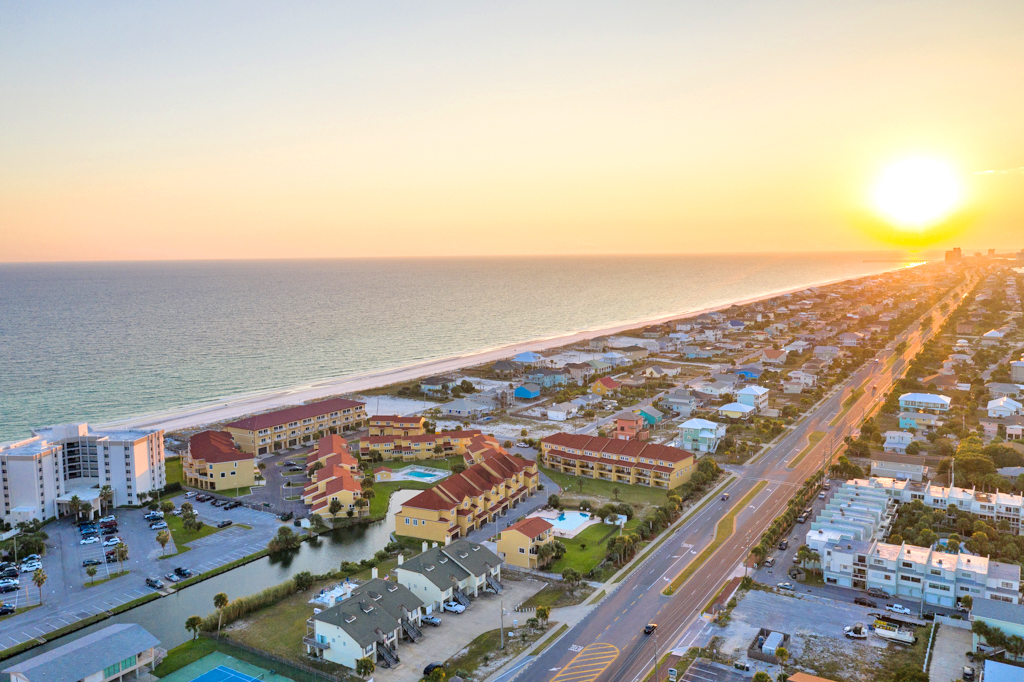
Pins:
x,y
609,643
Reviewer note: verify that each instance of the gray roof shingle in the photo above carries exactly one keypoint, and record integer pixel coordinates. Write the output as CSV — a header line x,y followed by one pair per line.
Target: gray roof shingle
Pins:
x,y
87,655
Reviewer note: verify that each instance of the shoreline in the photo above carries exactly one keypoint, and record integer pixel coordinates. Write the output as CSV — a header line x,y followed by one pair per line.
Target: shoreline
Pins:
x,y
236,406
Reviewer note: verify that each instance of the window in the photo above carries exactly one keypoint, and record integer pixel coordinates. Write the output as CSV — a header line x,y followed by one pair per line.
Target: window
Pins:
x,y
222,474
522,550
128,663
111,670
407,521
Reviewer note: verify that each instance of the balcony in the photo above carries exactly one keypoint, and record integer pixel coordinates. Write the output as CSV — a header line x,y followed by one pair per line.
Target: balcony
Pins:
x,y
311,641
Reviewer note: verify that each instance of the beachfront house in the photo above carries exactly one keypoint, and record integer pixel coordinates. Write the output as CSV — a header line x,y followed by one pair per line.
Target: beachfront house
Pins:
x,y
605,386
438,385
925,402
701,435
580,372
1003,407
463,408
630,426
527,392
736,411
520,544
547,378
560,412
897,441
755,396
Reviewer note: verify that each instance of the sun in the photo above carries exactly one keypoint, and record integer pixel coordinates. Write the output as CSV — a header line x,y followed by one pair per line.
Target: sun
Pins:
x,y
917,193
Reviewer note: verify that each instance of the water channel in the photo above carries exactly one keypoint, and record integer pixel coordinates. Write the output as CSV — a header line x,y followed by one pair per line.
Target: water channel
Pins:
x,y
165,617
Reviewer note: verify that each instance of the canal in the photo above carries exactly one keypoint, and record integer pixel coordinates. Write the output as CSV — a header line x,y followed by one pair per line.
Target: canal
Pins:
x,y
165,617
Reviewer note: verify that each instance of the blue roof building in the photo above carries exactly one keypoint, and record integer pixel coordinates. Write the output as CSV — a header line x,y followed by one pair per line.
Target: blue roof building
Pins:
x,y
527,391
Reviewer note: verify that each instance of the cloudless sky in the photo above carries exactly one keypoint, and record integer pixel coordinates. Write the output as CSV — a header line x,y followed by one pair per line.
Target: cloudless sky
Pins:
x,y
152,130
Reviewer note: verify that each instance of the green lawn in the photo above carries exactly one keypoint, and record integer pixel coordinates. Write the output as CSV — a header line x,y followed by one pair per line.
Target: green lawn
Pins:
x,y
813,440
182,537
585,551
172,470
595,487
235,492
382,494
94,583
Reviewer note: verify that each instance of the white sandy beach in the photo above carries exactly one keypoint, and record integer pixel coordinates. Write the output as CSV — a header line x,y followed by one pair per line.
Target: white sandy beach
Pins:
x,y
234,407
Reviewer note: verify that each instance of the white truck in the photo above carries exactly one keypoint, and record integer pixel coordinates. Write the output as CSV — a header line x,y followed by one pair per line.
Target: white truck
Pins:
x,y
856,631
893,633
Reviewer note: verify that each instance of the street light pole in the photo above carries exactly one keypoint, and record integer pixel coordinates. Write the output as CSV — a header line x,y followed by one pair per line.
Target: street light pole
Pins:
x,y
656,655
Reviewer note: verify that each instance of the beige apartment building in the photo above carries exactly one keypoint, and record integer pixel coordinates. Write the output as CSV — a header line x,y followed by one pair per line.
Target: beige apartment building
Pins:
x,y
262,434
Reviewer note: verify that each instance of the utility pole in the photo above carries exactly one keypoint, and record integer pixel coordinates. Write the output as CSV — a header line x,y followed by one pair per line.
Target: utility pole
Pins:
x,y
501,605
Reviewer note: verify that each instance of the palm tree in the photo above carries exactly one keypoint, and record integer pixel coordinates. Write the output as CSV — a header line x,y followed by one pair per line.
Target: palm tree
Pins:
x,y
192,624
121,553
220,600
39,579
91,572
543,613
75,506
106,495
163,537
783,654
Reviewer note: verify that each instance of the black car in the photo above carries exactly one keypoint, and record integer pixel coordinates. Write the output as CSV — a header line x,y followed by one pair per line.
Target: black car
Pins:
x,y
7,609
784,544
650,627
107,532
111,559
431,667
864,601
287,516
8,588
224,524
11,572
295,469
182,572
91,562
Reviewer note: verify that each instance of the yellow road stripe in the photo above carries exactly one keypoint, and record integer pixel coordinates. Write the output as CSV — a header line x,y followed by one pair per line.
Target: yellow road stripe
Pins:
x,y
588,664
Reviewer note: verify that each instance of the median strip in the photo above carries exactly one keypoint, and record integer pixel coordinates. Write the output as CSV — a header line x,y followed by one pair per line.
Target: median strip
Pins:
x,y
725,529
848,404
812,440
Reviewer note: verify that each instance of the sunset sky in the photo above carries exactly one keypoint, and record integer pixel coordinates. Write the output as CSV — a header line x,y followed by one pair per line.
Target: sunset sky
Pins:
x,y
178,130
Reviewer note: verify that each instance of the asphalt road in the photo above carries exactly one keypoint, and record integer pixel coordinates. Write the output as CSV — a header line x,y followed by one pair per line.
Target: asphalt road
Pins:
x,y
585,653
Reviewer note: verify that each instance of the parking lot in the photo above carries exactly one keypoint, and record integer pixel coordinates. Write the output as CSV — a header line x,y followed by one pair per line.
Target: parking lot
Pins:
x,y
458,629
67,598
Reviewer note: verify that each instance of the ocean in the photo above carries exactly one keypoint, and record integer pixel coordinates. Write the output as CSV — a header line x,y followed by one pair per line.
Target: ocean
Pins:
x,y
102,341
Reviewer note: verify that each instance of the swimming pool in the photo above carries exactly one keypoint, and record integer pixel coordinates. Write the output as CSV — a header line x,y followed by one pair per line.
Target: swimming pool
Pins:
x,y
569,524
569,520
421,474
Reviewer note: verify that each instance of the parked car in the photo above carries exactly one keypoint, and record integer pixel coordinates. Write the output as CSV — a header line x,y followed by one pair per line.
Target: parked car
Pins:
x,y
155,583
454,607
183,572
961,607
111,559
928,615
219,503
876,592
7,609
431,667
159,525
769,562
650,628
7,587
11,572
31,557
10,581
112,542
898,608
295,469
821,496
107,532
785,586
224,524
783,544
826,485
31,566
190,494
288,463
864,601
431,620
801,519
110,518
91,562
154,515
522,445
287,516
171,577
89,540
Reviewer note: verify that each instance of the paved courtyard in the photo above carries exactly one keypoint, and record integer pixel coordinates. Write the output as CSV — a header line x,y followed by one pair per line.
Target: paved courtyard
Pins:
x,y
949,653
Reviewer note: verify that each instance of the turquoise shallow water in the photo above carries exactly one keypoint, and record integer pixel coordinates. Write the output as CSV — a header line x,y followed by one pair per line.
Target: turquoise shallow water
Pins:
x,y
99,341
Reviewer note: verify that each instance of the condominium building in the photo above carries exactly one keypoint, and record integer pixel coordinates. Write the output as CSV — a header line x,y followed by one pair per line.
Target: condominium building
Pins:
x,y
336,477
42,473
265,433
452,572
113,654
212,462
935,576
465,501
622,461
471,444
393,425
520,543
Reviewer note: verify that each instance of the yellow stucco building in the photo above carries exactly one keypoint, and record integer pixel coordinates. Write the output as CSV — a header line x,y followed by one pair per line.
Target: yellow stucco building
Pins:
x,y
265,433
520,543
620,461
212,462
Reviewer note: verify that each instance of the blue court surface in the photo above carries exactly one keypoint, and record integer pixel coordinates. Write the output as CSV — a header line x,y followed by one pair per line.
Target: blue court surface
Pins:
x,y
224,674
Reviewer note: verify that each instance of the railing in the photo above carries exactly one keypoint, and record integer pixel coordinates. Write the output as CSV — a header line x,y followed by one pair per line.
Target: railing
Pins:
x,y
315,643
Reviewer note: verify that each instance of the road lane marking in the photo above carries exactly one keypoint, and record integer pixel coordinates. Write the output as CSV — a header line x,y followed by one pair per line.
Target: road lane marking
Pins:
x,y
589,664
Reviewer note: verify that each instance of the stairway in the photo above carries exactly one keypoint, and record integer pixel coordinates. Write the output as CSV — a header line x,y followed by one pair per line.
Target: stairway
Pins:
x,y
460,597
389,657
494,584
414,633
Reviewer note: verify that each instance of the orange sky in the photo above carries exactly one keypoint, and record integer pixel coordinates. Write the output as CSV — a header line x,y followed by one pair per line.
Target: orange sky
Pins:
x,y
198,130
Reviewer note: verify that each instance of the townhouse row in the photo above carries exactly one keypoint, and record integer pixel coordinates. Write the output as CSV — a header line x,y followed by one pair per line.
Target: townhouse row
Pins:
x,y
619,461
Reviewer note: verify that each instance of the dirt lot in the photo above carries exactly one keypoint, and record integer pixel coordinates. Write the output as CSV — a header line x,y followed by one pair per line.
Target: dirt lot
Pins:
x,y
816,626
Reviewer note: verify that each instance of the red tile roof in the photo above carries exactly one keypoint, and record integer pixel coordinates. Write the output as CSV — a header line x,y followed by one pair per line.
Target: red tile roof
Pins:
x,y
629,448
530,527
430,499
608,382
214,447
292,414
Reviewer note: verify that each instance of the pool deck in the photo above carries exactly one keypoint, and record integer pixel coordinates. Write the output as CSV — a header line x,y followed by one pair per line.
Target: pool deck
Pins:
x,y
552,516
404,474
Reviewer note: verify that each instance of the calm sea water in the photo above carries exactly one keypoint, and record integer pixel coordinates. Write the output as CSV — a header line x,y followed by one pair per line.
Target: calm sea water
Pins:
x,y
99,341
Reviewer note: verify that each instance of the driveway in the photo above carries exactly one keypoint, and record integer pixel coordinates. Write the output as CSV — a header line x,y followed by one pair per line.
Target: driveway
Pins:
x,y
457,630
272,493
948,653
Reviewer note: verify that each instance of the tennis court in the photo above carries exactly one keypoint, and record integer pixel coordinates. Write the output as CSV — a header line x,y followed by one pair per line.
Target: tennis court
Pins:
x,y
219,667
